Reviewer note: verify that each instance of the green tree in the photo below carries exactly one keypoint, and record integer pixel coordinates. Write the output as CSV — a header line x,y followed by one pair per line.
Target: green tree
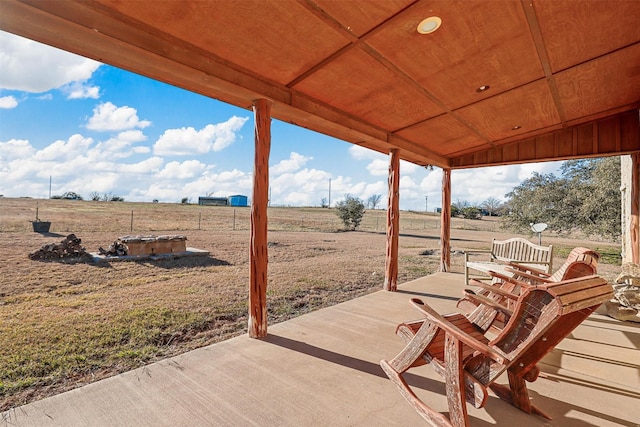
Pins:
x,y
586,198
350,210
600,212
471,212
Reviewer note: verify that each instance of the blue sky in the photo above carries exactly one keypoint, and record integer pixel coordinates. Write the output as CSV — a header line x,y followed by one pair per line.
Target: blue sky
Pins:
x,y
92,128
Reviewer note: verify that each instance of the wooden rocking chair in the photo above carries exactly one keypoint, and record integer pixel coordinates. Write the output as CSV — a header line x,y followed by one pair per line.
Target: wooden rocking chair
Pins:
x,y
470,363
493,303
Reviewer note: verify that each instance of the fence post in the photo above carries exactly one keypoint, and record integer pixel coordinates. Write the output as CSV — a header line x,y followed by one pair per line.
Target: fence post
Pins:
x,y
199,219
234,219
131,220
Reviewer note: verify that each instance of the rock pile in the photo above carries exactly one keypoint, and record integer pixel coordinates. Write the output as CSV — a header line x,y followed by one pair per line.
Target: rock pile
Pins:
x,y
69,248
625,304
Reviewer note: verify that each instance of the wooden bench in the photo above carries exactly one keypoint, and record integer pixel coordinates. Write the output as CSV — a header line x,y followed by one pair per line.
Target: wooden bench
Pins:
x,y
504,251
470,361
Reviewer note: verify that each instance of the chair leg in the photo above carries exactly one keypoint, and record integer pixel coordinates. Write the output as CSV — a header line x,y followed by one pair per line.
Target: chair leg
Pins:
x,y
455,382
435,418
454,377
517,394
407,358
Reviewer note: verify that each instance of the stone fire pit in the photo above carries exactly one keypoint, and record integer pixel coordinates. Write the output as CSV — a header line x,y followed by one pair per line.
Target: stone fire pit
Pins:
x,y
154,245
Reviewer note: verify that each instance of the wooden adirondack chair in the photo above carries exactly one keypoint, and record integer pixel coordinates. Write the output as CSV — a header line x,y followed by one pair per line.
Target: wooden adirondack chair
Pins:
x,y
471,363
494,302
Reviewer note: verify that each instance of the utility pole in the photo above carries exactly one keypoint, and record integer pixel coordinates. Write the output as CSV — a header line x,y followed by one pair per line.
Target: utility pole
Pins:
x,y
329,205
49,186
426,203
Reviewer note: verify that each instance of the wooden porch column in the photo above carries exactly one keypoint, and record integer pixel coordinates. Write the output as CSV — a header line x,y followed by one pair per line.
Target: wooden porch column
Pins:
x,y
634,223
445,222
393,223
259,203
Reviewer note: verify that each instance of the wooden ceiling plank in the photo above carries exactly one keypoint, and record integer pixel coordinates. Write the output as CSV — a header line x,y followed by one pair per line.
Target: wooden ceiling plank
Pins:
x,y
304,103
328,19
354,41
420,89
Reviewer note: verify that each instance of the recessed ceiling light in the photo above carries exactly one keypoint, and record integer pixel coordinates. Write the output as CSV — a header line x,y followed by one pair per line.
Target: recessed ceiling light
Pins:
x,y
516,127
429,25
483,88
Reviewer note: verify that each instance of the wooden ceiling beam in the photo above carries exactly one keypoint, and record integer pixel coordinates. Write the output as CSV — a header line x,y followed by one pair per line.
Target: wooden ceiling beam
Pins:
x,y
536,33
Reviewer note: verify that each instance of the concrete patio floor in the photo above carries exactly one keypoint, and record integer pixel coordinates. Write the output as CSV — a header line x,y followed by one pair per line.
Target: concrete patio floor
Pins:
x,y
323,369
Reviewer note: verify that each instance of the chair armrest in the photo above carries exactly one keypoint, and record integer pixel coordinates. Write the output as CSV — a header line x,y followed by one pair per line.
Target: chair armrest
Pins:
x,y
523,267
530,262
509,279
434,317
481,299
495,289
536,277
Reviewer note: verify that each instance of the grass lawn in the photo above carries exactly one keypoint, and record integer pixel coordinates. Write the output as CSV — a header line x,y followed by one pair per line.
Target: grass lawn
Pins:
x,y
65,324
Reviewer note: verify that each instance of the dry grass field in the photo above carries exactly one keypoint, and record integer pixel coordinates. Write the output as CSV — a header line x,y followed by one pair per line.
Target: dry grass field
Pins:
x,y
64,324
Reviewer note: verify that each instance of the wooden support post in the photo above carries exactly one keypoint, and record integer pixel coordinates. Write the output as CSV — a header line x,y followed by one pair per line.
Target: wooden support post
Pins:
x,y
445,222
259,203
393,223
634,223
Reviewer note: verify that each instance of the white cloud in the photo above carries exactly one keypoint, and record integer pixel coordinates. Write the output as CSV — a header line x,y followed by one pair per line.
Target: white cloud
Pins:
x,y
305,187
8,102
187,140
182,170
22,62
15,149
477,185
120,146
292,164
63,151
379,167
108,117
81,90
362,153
408,167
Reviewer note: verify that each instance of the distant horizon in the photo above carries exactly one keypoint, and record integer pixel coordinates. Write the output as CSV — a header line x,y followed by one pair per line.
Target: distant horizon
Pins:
x,y
96,128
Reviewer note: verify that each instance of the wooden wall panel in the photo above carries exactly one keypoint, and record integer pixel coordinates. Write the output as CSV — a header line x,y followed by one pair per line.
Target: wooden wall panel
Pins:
x,y
563,141
629,132
614,135
608,135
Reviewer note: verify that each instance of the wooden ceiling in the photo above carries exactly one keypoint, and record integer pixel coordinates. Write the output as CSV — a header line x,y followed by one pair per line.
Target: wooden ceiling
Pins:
x,y
563,76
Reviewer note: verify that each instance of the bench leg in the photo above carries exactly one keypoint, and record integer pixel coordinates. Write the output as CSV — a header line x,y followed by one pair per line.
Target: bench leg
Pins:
x,y
466,269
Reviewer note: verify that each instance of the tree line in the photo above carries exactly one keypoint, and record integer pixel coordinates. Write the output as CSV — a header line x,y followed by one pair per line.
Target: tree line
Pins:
x,y
585,198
